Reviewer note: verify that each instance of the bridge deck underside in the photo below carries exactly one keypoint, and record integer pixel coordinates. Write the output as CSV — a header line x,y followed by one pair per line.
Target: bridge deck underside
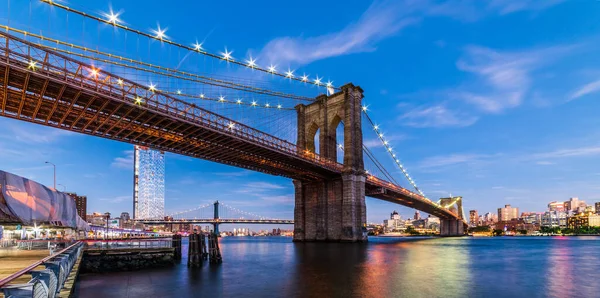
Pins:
x,y
39,98
393,196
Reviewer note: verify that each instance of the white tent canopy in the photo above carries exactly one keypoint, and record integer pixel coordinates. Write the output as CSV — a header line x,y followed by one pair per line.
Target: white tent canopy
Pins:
x,y
28,202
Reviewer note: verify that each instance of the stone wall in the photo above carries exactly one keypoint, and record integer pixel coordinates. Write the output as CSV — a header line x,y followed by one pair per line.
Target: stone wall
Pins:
x,y
112,261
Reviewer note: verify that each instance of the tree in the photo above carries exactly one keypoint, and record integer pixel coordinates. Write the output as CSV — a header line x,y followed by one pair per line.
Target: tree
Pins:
x,y
498,232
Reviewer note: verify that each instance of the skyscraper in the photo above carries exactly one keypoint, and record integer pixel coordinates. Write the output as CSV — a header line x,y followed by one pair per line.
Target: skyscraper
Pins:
x,y
597,206
507,213
149,184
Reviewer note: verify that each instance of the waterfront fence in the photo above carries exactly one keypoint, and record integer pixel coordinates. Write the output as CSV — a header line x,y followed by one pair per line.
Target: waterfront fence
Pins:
x,y
116,244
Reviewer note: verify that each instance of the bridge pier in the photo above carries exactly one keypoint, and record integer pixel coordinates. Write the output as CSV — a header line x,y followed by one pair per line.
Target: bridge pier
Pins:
x,y
330,210
451,227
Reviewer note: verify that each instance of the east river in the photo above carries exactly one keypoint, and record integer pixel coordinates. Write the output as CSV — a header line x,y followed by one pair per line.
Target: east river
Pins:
x,y
383,267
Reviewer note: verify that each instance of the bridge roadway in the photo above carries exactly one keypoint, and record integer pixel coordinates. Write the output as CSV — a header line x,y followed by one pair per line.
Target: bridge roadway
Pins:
x,y
216,221
61,92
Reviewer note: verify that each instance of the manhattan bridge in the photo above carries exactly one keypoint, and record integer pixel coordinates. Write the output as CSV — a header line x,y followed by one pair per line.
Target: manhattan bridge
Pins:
x,y
110,80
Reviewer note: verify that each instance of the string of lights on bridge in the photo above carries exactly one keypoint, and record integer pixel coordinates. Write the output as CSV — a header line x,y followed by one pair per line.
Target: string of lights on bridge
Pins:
x,y
160,35
153,87
390,151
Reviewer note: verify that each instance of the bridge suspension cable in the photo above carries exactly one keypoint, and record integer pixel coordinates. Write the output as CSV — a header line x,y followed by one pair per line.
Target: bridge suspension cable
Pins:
x,y
390,151
190,210
242,211
159,35
157,69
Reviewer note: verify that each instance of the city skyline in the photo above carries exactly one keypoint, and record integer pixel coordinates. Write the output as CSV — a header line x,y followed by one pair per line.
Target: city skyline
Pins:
x,y
456,139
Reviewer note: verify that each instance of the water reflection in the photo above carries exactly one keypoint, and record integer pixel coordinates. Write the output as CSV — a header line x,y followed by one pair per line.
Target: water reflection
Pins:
x,y
384,267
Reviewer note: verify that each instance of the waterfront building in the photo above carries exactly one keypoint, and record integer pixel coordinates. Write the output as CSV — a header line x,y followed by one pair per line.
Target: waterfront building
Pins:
x,y
574,205
583,220
149,183
417,215
432,222
473,218
532,217
556,206
96,219
554,219
507,213
80,204
394,223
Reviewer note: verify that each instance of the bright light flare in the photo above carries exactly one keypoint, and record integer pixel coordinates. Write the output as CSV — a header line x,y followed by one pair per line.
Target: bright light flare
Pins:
x,y
364,108
113,18
160,33
197,46
231,125
272,69
227,55
329,84
221,98
32,65
239,101
317,81
305,78
120,82
251,62
289,74
152,87
139,100
254,103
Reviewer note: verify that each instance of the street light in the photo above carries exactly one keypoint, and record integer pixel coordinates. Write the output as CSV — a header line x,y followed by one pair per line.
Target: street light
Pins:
x,y
54,173
106,234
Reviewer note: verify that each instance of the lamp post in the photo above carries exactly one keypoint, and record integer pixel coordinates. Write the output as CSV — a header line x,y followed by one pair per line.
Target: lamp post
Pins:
x,y
54,173
106,234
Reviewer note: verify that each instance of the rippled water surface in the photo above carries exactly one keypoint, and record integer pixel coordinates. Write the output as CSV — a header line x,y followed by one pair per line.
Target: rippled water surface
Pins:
x,y
383,267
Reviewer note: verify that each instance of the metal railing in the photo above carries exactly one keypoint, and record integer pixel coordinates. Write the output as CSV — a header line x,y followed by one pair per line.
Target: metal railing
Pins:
x,y
45,282
116,244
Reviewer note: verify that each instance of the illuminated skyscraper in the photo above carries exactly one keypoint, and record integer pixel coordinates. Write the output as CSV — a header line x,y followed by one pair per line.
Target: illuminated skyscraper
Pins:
x,y
149,183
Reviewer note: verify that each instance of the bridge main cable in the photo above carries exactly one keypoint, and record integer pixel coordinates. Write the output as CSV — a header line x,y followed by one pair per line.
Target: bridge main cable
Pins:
x,y
197,49
198,78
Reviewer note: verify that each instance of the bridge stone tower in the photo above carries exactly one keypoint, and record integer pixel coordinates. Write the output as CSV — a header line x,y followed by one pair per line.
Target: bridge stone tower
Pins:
x,y
452,227
332,208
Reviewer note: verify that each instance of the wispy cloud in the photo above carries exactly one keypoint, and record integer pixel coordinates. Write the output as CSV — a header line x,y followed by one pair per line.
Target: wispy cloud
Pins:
x,y
382,19
502,79
436,116
263,185
34,134
504,7
124,162
117,199
586,89
242,173
453,159
572,152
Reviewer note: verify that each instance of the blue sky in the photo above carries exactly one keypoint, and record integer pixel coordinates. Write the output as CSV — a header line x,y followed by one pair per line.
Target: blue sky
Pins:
x,y
496,101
